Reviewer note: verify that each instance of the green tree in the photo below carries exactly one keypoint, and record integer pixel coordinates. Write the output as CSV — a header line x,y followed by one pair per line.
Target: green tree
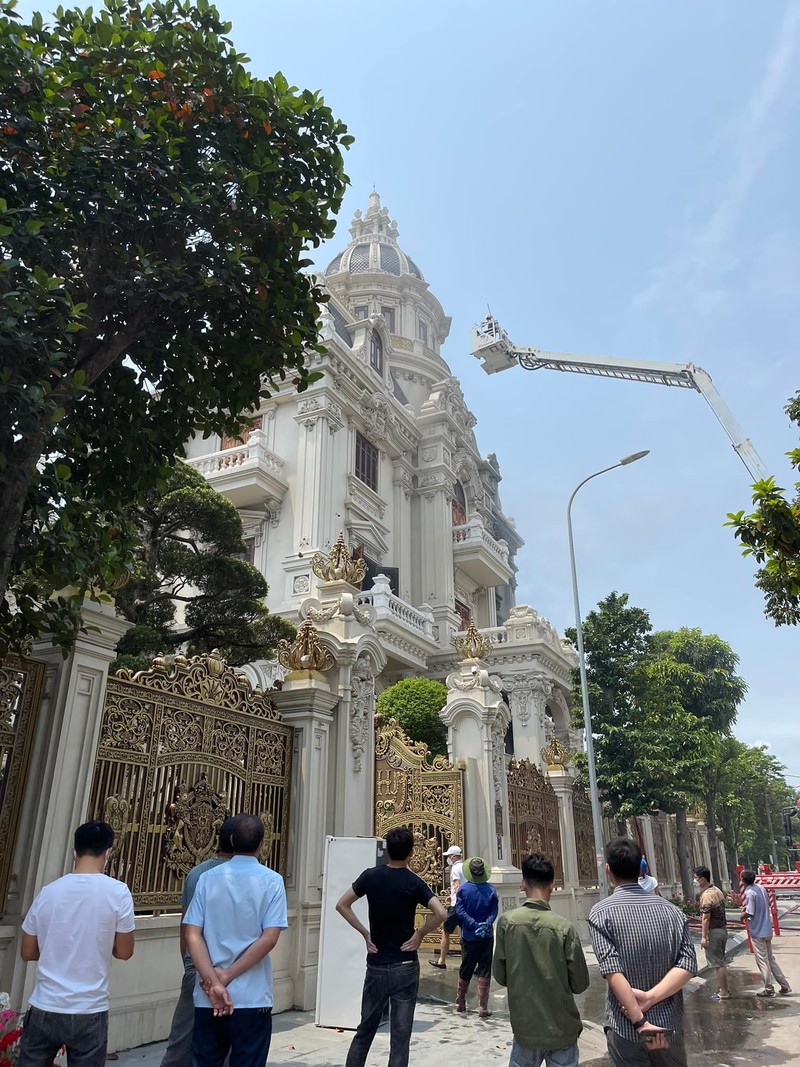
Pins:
x,y
416,703
189,585
771,534
157,204
702,669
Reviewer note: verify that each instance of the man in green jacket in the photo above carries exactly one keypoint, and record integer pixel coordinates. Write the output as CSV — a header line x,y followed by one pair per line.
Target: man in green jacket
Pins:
x,y
538,956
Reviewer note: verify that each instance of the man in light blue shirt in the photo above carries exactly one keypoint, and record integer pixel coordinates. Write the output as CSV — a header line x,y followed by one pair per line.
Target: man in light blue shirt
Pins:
x,y
755,912
232,924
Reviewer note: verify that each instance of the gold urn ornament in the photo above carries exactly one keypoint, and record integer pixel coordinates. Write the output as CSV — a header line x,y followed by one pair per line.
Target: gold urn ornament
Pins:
x,y
305,653
471,645
555,755
339,565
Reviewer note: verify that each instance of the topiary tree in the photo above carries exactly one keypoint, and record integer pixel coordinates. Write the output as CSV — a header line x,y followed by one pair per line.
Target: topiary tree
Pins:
x,y
416,703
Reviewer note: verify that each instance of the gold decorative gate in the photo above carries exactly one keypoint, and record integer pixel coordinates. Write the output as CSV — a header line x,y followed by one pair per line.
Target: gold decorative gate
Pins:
x,y
21,687
533,815
183,746
424,795
584,837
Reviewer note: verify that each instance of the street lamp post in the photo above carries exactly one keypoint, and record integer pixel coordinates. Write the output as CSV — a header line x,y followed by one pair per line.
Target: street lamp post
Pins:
x,y
594,796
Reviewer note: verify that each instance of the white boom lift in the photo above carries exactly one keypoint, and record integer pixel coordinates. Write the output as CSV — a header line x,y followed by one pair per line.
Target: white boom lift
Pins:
x,y
491,343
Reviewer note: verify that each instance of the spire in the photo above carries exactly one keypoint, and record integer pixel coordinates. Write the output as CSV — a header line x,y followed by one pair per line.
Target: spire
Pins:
x,y
376,220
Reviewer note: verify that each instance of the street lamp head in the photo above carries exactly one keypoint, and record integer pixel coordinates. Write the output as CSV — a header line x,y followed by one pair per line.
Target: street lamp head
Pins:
x,y
634,457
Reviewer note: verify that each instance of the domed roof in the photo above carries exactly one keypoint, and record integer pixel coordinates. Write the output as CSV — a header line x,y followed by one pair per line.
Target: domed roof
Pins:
x,y
374,248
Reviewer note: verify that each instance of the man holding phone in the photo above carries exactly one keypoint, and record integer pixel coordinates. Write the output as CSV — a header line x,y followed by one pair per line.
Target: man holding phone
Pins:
x,y
646,956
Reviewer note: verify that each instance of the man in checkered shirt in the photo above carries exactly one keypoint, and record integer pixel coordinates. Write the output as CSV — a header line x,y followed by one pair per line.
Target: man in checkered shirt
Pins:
x,y
646,956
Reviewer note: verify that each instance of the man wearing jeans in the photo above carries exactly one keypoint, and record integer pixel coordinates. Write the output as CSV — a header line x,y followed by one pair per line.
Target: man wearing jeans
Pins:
x,y
233,923
178,1052
755,912
74,926
538,957
393,893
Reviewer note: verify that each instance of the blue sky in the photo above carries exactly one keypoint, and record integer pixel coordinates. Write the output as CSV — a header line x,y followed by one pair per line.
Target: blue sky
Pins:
x,y
612,178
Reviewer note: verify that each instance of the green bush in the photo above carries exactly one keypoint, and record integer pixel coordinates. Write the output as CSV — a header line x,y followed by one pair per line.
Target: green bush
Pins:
x,y
416,703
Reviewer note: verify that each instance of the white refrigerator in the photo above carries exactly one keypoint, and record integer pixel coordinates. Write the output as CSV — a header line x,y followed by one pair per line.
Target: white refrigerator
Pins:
x,y
342,952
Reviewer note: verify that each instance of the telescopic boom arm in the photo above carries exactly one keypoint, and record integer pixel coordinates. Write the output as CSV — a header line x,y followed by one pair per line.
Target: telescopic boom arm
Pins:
x,y
491,343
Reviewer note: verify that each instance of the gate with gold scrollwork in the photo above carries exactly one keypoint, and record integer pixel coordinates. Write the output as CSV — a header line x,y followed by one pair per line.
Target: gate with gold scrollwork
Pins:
x,y
21,687
584,837
533,816
423,794
182,746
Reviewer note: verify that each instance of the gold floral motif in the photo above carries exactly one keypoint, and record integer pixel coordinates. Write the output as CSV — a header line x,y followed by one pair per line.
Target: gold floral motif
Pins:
x,y
183,732
339,565
584,837
305,653
127,726
230,741
205,678
471,645
115,813
194,819
269,755
555,754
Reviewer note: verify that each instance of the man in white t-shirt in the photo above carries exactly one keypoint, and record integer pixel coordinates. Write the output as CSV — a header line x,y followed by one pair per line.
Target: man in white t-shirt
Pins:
x,y
74,926
453,857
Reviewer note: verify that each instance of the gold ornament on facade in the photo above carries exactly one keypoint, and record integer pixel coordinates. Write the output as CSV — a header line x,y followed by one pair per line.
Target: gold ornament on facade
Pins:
x,y
115,813
305,653
471,645
555,755
339,565
194,820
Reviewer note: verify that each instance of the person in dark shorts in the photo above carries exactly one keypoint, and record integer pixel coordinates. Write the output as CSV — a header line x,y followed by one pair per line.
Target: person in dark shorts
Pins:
x,y
393,893
453,857
714,933
477,907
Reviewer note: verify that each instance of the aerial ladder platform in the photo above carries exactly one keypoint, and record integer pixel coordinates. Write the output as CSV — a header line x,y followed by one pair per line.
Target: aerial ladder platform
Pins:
x,y
492,345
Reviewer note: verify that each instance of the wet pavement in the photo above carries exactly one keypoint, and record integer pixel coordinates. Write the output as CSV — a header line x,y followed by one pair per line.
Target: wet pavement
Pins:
x,y
742,1031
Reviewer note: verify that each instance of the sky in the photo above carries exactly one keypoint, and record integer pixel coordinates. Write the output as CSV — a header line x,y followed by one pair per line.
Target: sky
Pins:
x,y
611,178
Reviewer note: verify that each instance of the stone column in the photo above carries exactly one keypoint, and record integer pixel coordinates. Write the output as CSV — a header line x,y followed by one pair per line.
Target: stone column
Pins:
x,y
306,702
477,720
62,764
319,417
528,693
563,783
401,526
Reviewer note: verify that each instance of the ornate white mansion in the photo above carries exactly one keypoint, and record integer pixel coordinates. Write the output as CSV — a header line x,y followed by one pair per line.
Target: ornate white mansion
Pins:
x,y
382,449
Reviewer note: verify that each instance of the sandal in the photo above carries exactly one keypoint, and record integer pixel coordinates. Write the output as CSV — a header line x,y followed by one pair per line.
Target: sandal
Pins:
x,y
439,966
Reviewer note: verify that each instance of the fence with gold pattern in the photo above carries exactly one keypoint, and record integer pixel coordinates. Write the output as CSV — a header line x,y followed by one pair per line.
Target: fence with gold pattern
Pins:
x,y
21,688
533,816
182,746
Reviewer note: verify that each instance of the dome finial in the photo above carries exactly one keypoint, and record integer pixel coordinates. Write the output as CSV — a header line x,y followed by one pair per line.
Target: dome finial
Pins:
x,y
374,201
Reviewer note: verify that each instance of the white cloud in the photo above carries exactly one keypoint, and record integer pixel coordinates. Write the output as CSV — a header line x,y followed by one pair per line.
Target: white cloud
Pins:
x,y
696,276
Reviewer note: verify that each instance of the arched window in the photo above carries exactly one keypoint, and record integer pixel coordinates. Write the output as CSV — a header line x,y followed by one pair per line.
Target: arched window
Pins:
x,y
376,352
459,505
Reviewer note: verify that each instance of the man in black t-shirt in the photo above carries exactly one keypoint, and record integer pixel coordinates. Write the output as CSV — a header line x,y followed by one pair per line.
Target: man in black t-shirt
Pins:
x,y
393,893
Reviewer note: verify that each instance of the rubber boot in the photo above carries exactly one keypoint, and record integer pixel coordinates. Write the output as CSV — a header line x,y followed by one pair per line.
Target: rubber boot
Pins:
x,y
483,998
461,995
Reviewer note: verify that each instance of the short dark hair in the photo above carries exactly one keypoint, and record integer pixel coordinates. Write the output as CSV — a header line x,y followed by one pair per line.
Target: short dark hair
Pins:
x,y
247,833
703,872
399,843
537,870
93,839
624,859
749,877
224,835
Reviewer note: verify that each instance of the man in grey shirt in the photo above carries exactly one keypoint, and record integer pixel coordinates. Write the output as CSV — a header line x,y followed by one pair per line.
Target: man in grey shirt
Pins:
x,y
179,1047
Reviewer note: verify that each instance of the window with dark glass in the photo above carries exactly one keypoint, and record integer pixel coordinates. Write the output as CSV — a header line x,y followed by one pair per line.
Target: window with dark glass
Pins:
x,y
366,462
374,569
388,318
459,505
422,331
464,615
249,554
376,352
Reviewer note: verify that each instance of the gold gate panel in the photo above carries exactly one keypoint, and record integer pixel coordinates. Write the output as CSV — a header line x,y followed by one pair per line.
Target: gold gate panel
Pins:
x,y
423,794
533,816
584,837
182,747
21,687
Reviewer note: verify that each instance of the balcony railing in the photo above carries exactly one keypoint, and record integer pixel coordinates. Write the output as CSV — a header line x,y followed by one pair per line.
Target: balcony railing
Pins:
x,y
230,459
387,606
474,533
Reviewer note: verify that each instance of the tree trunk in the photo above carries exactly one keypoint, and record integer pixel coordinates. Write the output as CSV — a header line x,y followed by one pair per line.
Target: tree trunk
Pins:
x,y
14,488
713,838
682,827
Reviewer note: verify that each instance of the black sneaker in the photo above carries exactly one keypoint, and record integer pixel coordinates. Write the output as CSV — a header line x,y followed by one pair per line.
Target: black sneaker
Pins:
x,y
784,992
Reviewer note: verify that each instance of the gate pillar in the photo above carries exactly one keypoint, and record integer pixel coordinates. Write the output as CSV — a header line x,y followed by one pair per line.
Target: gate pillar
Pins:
x,y
477,719
306,703
562,782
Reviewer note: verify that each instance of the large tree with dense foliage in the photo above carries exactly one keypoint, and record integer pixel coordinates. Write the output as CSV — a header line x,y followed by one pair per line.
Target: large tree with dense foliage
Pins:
x,y
189,583
157,204
771,534
416,703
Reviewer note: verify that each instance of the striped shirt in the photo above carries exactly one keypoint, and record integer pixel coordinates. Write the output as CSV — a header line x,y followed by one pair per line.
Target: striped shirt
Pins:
x,y
641,936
